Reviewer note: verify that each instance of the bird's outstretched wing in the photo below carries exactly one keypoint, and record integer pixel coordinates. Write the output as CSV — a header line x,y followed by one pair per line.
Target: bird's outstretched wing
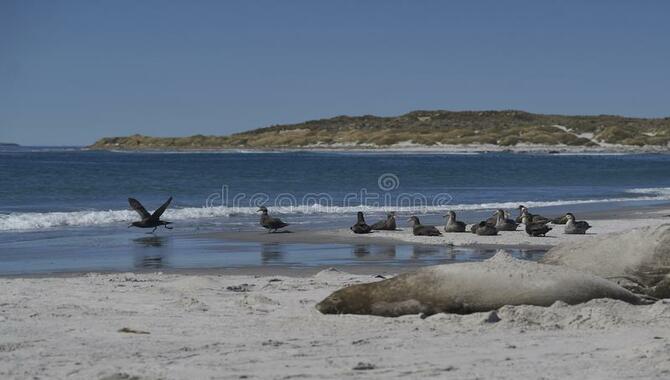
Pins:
x,y
159,211
137,206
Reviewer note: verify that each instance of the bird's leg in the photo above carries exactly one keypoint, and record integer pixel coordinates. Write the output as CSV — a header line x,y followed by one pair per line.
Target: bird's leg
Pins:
x,y
154,230
167,227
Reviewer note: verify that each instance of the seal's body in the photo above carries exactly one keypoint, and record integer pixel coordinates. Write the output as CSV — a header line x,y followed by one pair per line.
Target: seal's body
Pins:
x,y
473,287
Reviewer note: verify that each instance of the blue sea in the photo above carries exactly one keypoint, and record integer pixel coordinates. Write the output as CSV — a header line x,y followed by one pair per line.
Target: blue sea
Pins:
x,y
66,209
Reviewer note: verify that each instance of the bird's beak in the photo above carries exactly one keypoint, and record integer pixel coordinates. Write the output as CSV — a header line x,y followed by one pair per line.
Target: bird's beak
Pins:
x,y
445,215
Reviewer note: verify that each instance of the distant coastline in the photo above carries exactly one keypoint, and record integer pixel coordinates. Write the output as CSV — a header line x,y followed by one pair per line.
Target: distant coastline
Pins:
x,y
414,149
8,144
430,131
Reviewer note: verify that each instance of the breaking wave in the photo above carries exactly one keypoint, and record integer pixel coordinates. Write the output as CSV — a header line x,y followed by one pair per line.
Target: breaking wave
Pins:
x,y
659,191
35,221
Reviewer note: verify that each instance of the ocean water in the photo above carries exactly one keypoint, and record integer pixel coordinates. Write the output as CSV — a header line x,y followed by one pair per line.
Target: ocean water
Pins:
x,y
69,205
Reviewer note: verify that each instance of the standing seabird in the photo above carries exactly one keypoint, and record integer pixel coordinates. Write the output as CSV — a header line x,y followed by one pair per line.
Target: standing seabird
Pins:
x,y
452,224
361,227
420,230
388,224
149,220
573,227
272,224
504,224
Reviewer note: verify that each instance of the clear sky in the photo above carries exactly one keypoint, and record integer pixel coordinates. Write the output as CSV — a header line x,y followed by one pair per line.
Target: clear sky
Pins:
x,y
74,71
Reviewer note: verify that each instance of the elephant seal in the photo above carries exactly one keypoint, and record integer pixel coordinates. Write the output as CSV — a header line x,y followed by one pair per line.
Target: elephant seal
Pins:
x,y
465,288
638,259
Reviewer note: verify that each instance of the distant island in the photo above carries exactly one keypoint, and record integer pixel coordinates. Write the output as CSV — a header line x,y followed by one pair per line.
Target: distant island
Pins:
x,y
8,144
431,130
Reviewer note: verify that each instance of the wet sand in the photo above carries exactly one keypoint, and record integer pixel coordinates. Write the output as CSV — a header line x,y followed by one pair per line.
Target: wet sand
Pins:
x,y
602,222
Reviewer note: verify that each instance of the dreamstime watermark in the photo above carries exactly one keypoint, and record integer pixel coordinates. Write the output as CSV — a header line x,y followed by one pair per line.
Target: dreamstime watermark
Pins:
x,y
385,196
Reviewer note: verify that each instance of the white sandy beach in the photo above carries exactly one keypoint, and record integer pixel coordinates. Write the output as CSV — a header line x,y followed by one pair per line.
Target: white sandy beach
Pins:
x,y
182,326
176,326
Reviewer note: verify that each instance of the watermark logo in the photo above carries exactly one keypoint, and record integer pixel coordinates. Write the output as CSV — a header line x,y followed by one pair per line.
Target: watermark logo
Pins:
x,y
388,182
387,197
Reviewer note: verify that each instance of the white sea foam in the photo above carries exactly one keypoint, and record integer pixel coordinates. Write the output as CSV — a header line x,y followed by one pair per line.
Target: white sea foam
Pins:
x,y
36,221
660,191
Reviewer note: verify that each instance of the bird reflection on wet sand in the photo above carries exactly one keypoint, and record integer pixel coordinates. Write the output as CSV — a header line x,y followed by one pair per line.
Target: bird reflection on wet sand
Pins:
x,y
151,241
271,252
361,250
377,251
150,252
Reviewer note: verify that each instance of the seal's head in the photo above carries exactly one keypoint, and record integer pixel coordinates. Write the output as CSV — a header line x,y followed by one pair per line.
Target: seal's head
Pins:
x,y
350,300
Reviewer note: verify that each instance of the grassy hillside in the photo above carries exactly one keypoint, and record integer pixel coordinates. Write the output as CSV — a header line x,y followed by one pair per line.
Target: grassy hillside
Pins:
x,y
505,128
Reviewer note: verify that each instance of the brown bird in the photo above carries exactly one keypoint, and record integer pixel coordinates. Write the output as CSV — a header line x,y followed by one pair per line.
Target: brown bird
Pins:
x,y
149,220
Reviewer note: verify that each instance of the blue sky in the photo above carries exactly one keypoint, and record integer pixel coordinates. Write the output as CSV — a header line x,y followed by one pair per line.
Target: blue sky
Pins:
x,y
74,71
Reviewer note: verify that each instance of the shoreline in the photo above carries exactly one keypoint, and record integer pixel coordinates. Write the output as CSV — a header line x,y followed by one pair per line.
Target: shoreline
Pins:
x,y
408,149
603,221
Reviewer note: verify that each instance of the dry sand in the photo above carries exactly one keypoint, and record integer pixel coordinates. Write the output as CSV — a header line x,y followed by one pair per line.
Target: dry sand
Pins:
x,y
181,326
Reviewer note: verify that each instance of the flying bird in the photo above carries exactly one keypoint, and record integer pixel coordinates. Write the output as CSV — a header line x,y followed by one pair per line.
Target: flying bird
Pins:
x,y
149,220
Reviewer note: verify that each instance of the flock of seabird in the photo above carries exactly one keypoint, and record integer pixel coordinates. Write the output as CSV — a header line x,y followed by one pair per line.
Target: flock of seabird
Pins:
x,y
535,225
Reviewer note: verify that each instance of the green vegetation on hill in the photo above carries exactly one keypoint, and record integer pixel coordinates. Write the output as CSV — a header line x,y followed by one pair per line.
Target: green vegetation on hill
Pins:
x,y
505,128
